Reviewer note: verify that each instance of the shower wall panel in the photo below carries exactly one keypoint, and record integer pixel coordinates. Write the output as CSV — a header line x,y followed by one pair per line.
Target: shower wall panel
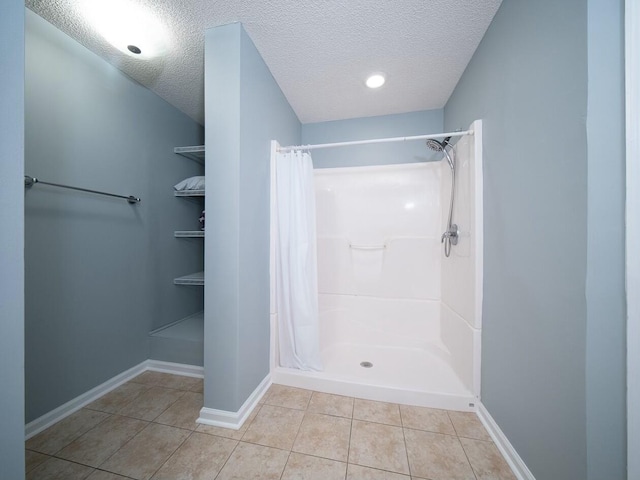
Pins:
x,y
459,280
378,231
461,284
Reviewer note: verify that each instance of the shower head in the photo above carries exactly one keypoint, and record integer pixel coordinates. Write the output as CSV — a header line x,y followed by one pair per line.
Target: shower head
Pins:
x,y
438,146
441,147
435,145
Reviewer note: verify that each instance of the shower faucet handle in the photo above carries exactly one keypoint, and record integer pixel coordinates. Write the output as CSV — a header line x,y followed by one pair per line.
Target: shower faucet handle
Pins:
x,y
452,234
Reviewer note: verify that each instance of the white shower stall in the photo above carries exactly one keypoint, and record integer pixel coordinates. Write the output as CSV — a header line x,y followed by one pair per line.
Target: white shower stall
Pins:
x,y
398,321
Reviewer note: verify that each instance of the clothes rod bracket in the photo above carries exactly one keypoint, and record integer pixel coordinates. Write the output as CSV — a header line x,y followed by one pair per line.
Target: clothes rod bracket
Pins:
x,y
30,181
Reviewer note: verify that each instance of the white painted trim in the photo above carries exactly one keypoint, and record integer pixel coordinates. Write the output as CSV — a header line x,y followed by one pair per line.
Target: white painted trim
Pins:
x,y
54,416
234,420
273,233
175,368
517,465
45,421
478,161
632,81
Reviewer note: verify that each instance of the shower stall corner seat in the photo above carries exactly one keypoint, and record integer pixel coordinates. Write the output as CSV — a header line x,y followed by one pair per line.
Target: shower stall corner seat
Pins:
x,y
401,338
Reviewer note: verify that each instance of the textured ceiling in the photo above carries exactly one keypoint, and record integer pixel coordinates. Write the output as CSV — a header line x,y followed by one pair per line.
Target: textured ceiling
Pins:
x,y
319,51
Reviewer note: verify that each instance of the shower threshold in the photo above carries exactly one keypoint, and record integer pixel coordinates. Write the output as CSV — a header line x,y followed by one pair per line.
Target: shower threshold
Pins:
x,y
404,376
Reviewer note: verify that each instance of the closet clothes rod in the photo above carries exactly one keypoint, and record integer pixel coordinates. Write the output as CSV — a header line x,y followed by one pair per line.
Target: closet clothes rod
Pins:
x,y
375,140
31,181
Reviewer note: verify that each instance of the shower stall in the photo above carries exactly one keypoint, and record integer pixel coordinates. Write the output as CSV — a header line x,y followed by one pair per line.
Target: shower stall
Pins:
x,y
398,321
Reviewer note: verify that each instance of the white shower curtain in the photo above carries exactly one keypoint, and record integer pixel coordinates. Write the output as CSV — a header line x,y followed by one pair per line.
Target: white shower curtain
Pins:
x,y
296,257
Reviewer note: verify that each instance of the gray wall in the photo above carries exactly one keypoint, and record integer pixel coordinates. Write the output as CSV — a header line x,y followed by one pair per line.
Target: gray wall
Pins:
x,y
606,347
402,125
12,240
245,109
99,271
528,82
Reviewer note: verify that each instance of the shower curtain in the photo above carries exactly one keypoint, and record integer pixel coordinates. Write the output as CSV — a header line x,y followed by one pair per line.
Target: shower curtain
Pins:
x,y
296,260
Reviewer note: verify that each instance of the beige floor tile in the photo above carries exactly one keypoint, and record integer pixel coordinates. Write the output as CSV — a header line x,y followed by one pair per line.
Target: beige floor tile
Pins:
x,y
198,386
274,427
486,460
436,456
57,469
167,380
118,398
146,452
254,462
102,475
102,441
200,457
184,412
378,446
467,424
357,472
33,459
150,404
328,404
229,432
306,467
430,419
65,431
324,436
288,397
377,412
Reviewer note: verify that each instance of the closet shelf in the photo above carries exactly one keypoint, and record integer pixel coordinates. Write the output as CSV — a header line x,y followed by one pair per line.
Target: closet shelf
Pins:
x,y
187,328
195,152
189,234
192,279
188,193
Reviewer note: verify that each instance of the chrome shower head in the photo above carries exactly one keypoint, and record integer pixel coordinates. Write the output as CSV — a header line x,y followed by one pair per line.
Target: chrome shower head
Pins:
x,y
438,146
435,145
441,147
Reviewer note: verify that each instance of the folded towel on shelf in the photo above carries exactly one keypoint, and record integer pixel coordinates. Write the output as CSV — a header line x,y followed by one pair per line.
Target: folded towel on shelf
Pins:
x,y
191,183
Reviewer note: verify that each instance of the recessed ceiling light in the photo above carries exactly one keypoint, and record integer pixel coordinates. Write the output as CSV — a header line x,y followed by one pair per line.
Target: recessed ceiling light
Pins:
x,y
127,26
375,81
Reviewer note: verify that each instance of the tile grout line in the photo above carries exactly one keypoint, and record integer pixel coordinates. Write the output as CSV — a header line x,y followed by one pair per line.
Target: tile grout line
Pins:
x,y
172,453
296,437
285,464
346,472
473,470
404,438
227,460
462,446
121,447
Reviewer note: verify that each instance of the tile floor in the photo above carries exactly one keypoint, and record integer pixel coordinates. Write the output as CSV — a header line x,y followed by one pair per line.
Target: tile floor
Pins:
x,y
146,429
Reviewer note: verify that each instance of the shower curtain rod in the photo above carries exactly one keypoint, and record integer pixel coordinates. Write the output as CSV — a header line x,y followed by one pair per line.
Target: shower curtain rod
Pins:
x,y
375,140
31,181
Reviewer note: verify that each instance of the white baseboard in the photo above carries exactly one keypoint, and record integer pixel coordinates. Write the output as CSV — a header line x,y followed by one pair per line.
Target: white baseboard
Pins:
x,y
519,468
45,421
234,420
175,368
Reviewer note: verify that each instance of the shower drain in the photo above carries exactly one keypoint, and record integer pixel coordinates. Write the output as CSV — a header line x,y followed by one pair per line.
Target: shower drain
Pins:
x,y
366,364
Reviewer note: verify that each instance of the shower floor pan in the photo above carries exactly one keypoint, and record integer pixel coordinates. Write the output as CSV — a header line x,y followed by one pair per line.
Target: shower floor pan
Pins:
x,y
410,376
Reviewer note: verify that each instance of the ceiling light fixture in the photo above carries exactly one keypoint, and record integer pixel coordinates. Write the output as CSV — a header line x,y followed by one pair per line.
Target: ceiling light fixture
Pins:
x,y
130,28
375,81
